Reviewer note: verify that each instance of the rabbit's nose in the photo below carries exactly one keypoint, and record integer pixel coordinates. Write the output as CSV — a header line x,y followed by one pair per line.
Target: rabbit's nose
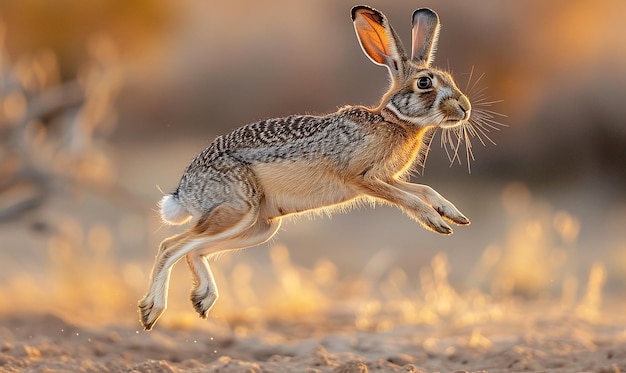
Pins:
x,y
464,104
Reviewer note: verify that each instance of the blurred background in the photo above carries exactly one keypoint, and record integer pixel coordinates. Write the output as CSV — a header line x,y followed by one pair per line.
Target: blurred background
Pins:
x,y
103,104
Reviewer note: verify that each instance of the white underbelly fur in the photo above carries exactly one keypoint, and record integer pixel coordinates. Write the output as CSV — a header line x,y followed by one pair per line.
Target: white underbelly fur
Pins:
x,y
293,187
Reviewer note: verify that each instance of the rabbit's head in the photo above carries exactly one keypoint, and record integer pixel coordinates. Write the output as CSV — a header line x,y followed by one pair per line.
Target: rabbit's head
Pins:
x,y
419,94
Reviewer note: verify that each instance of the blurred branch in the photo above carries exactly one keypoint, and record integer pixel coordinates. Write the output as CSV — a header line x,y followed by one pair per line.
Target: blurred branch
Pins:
x,y
24,186
53,135
54,100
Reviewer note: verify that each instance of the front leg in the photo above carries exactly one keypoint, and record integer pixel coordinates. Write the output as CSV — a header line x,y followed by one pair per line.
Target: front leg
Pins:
x,y
416,208
444,207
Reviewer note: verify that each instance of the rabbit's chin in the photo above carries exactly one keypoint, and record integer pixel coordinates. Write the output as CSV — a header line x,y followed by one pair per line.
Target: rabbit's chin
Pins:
x,y
452,123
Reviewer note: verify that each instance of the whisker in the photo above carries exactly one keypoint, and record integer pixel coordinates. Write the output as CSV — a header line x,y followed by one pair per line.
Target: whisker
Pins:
x,y
481,102
445,140
471,90
486,126
491,112
479,130
442,142
458,131
479,123
469,79
444,137
468,148
485,122
470,86
479,95
483,114
475,132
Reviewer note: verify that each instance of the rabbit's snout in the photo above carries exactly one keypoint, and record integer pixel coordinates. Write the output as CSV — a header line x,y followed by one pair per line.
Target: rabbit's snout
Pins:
x,y
465,105
456,110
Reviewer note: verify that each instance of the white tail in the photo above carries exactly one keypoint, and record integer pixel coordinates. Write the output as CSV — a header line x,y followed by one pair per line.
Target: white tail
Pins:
x,y
172,212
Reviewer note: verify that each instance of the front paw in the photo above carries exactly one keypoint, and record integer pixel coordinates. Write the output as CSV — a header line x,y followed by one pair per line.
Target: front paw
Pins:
x,y
451,214
430,219
149,312
443,207
438,226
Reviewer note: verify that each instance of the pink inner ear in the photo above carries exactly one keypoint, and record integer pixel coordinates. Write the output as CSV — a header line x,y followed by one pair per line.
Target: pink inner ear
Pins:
x,y
418,39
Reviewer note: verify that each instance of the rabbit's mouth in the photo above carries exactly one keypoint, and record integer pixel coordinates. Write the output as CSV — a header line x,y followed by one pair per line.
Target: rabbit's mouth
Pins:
x,y
455,122
457,111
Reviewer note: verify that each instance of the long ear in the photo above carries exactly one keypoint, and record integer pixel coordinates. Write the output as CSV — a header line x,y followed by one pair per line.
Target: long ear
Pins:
x,y
378,40
425,34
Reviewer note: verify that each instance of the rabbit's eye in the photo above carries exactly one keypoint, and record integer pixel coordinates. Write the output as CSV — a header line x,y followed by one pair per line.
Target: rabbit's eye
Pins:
x,y
424,82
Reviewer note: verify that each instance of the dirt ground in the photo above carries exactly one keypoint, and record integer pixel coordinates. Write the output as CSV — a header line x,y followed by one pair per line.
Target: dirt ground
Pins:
x,y
523,338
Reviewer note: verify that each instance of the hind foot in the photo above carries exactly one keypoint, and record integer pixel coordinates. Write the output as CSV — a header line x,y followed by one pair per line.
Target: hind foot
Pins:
x,y
203,300
150,310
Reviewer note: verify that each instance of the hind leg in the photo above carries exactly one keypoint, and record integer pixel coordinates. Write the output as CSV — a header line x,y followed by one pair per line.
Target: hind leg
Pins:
x,y
204,293
155,300
221,223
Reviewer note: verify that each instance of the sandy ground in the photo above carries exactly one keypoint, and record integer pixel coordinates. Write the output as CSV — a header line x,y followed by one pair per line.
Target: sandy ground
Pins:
x,y
525,338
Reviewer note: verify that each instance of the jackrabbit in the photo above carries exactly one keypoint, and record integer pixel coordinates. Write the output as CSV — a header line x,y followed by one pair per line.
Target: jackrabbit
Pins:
x,y
237,190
